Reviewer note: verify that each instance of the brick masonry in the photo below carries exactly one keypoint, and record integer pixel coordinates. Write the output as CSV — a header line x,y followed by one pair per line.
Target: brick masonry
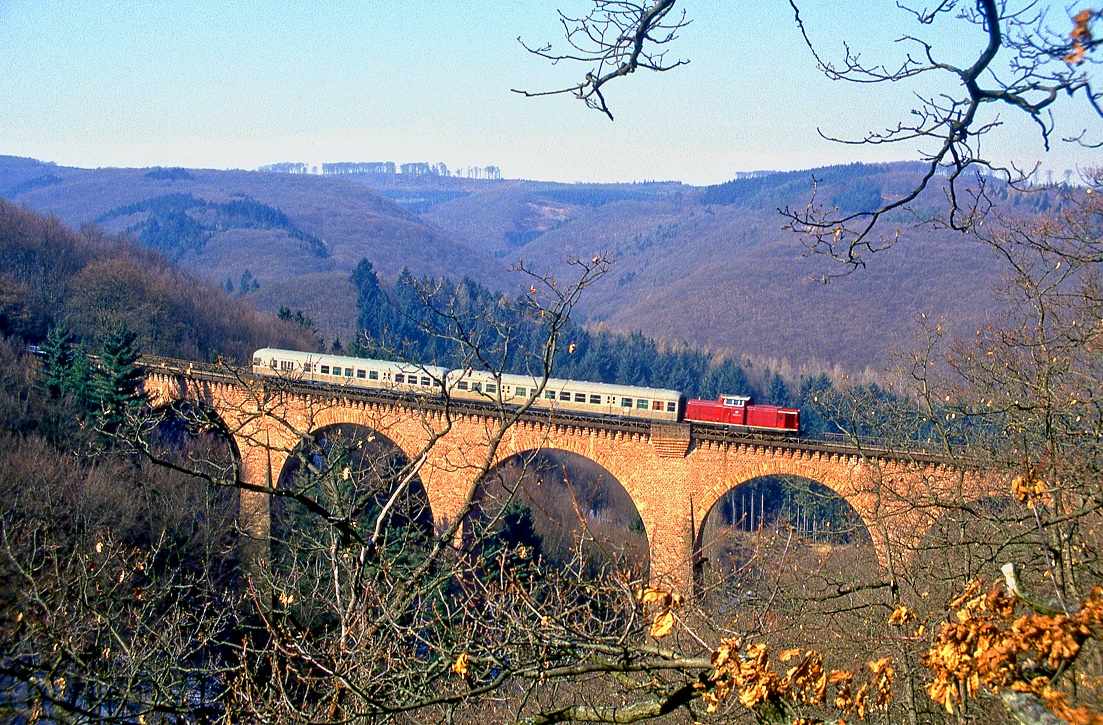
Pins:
x,y
673,478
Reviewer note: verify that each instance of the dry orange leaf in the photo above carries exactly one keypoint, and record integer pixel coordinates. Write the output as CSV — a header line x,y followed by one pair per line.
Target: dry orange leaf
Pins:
x,y
460,665
663,624
902,615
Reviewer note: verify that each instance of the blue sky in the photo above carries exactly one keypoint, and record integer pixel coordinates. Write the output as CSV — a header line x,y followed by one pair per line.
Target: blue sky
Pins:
x,y
235,84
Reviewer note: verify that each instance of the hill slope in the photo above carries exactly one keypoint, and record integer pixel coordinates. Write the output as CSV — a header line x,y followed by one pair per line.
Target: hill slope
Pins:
x,y
714,267
91,283
708,266
298,236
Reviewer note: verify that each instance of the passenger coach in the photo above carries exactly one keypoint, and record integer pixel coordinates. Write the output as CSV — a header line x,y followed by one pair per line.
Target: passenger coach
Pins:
x,y
341,370
574,396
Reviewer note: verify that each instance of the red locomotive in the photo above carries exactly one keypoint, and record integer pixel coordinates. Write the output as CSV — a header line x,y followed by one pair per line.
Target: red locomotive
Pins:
x,y
740,410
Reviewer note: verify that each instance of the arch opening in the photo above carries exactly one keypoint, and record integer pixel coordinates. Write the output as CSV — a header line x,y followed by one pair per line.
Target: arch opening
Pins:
x,y
352,513
562,510
769,524
194,468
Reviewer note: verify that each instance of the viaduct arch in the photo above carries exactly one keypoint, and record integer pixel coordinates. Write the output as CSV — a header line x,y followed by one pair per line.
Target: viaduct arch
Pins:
x,y
674,474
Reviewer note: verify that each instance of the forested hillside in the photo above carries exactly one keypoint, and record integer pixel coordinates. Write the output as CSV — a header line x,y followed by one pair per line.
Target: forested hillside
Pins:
x,y
298,237
93,284
711,267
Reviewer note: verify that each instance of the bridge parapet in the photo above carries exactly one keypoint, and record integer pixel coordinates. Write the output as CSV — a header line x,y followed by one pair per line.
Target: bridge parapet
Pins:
x,y
675,473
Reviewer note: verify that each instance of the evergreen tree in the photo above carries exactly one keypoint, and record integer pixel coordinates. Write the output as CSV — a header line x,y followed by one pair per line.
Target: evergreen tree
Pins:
x,y
68,372
118,381
776,391
58,356
373,308
514,547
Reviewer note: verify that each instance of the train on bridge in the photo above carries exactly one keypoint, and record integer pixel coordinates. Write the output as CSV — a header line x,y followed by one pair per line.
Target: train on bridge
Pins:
x,y
556,394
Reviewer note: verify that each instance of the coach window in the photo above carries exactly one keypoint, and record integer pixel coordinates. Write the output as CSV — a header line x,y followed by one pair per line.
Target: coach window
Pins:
x,y
671,408
564,395
641,404
491,388
426,381
373,375
580,397
399,378
595,399
626,402
462,385
362,374
477,387
348,372
325,369
549,394
336,370
657,405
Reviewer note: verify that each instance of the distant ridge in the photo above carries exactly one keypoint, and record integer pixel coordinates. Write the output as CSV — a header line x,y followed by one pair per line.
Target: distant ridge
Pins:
x,y
711,266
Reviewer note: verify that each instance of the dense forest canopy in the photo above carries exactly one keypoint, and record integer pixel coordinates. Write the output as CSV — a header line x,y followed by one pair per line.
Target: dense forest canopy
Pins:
x,y
93,283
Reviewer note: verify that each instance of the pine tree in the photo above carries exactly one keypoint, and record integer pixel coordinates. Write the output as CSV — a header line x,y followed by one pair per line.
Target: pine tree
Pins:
x,y
514,547
68,372
776,391
375,314
118,381
58,355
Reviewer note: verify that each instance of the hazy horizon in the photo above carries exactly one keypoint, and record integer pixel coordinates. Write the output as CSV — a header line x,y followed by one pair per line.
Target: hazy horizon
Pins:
x,y
244,84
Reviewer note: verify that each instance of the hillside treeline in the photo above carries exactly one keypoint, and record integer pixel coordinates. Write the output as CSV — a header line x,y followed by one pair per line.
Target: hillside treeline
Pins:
x,y
92,283
425,320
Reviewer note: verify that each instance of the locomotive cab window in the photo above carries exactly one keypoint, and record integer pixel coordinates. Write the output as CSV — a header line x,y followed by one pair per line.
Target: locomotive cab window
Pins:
x,y
256,361
273,363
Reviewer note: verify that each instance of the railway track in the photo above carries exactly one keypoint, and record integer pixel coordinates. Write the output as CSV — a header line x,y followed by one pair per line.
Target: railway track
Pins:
x,y
917,451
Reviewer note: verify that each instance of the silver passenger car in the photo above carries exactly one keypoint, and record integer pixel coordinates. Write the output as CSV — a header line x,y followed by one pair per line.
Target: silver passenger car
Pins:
x,y
574,396
340,370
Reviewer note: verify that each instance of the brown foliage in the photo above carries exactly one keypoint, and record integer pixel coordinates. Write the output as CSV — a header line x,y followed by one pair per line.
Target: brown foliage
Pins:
x,y
988,645
92,283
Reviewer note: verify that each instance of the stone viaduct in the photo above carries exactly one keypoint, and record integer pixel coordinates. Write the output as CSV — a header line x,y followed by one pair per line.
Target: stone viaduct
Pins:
x,y
673,472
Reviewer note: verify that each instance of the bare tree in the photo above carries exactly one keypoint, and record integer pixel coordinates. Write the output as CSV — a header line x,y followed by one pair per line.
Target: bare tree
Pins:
x,y
1028,55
